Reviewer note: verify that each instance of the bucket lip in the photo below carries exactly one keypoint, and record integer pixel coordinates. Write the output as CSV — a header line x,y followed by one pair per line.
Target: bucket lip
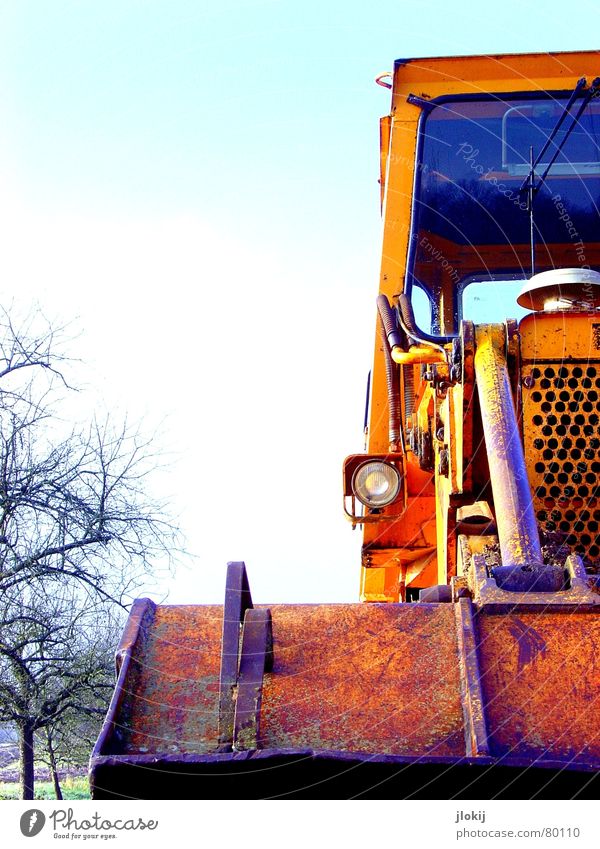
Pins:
x,y
289,755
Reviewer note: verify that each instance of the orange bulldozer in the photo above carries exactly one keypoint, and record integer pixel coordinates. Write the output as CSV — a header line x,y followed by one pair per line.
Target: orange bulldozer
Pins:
x,y
470,668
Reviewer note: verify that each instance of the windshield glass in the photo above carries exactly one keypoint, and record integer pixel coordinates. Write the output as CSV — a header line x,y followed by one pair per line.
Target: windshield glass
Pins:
x,y
471,219
484,301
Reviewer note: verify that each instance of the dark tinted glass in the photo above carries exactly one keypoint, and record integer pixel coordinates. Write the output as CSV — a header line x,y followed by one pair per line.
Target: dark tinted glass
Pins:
x,y
475,157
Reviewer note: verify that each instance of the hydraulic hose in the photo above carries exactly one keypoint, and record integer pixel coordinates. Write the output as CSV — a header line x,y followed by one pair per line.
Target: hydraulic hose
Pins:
x,y
427,350
394,335
391,336
389,319
408,315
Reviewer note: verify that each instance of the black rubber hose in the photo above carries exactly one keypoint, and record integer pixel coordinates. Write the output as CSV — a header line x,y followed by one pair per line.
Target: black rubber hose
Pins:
x,y
410,325
394,334
408,315
393,391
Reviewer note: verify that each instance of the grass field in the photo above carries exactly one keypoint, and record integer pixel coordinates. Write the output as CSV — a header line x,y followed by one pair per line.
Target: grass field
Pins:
x,y
72,788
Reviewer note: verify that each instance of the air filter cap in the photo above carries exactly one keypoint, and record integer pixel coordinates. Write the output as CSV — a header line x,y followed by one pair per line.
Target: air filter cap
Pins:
x,y
561,288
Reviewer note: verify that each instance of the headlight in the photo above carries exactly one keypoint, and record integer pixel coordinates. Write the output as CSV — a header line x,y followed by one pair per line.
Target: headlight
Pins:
x,y
375,483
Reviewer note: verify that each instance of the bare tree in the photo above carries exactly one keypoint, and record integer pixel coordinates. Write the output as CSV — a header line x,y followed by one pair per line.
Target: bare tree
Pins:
x,y
67,738
54,665
78,532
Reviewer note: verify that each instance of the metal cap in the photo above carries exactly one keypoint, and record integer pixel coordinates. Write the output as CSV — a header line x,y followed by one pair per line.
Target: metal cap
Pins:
x,y
561,288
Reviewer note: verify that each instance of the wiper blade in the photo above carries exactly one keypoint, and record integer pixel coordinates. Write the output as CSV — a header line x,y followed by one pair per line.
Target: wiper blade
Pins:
x,y
567,109
588,96
530,185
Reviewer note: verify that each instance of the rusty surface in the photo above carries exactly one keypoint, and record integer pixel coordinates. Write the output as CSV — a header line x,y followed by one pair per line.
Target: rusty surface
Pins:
x,y
476,737
364,678
171,695
140,620
238,600
140,616
541,683
256,658
386,683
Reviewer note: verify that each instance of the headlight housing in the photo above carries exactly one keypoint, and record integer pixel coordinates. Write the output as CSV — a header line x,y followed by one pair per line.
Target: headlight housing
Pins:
x,y
376,483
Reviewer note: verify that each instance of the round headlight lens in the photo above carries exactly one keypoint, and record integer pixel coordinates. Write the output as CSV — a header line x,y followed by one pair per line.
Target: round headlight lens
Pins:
x,y
376,484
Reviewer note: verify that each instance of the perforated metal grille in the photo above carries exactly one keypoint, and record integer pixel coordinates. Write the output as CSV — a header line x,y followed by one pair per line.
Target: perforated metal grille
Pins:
x,y
561,414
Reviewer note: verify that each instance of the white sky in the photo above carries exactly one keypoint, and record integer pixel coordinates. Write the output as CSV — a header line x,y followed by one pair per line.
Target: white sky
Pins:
x,y
198,185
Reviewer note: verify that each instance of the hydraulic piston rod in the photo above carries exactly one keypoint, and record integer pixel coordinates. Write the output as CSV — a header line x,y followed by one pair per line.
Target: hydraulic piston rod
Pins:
x,y
515,517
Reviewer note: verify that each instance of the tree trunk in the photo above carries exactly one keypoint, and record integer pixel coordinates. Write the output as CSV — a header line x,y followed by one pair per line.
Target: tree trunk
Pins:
x,y
26,758
53,766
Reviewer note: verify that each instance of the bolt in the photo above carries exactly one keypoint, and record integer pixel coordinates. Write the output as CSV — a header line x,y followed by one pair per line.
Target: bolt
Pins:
x,y
528,381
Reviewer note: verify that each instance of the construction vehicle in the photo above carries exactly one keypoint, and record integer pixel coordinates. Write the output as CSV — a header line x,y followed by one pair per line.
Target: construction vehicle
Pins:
x,y
471,669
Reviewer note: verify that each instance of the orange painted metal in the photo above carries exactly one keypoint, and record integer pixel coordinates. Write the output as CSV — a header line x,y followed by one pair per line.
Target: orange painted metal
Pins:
x,y
427,79
560,392
468,259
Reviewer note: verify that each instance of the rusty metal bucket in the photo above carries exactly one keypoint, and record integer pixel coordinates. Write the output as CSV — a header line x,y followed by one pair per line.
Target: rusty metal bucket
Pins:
x,y
444,700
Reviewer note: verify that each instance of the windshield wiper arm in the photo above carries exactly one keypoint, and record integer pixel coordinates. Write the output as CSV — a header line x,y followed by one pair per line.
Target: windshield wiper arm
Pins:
x,y
530,184
566,111
588,96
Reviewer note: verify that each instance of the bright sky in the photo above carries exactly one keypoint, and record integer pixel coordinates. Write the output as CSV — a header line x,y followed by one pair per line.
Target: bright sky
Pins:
x,y
197,183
